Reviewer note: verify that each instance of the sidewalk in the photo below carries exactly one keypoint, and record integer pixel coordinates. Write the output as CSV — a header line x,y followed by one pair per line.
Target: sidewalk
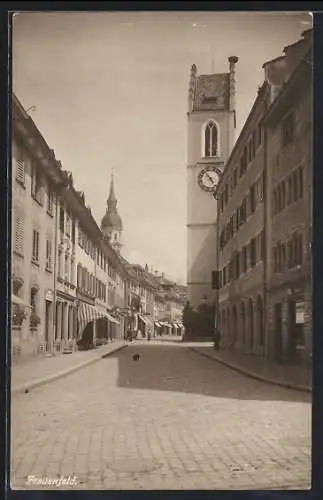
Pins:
x,y
297,377
27,376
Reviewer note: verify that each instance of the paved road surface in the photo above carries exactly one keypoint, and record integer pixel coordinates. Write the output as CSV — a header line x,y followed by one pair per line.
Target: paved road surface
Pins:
x,y
172,420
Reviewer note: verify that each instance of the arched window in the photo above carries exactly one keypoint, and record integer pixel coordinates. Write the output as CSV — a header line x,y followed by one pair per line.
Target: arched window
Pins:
x,y
211,139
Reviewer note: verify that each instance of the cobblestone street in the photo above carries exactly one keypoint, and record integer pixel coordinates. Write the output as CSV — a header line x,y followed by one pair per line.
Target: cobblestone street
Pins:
x,y
172,420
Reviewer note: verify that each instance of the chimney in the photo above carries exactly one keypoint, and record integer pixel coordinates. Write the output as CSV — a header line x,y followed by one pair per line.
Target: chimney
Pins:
x,y
191,90
232,63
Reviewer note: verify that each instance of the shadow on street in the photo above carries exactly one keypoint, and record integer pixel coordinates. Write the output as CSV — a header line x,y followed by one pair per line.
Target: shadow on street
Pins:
x,y
178,369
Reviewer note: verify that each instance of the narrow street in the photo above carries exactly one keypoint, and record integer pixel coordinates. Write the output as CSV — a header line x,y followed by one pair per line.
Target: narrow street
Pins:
x,y
172,420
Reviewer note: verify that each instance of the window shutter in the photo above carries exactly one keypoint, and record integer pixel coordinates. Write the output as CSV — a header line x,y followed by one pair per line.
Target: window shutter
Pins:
x,y
19,234
20,170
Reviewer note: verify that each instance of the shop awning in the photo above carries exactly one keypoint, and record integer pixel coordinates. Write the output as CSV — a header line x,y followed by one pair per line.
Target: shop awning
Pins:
x,y
112,319
158,324
87,313
17,300
143,319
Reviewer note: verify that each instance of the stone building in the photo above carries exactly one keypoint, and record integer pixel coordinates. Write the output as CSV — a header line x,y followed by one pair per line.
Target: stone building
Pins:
x,y
264,198
240,254
289,136
211,129
37,178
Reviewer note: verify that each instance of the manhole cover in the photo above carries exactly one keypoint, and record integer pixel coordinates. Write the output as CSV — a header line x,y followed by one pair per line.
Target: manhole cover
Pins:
x,y
133,465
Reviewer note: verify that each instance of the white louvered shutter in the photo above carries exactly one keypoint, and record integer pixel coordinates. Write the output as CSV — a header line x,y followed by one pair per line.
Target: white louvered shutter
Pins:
x,y
19,233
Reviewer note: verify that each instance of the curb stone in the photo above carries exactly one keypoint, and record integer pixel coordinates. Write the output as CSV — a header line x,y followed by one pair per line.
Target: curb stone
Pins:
x,y
253,375
51,378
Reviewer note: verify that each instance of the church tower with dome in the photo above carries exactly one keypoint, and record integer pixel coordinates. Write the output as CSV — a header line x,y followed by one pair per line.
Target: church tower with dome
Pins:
x,y
111,224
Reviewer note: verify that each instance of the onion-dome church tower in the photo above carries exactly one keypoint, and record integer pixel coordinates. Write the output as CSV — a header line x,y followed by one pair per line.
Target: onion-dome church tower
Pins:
x,y
111,224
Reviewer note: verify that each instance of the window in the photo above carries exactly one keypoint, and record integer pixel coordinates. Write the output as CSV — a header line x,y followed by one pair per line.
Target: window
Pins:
x,y
226,194
249,151
288,130
283,195
253,142
235,177
79,275
259,134
60,263
61,219
68,225
48,255
36,191
19,233
50,199
66,276
211,139
35,249
252,193
262,245
289,190
253,252
237,265
244,260
33,299
300,182
243,162
73,231
20,166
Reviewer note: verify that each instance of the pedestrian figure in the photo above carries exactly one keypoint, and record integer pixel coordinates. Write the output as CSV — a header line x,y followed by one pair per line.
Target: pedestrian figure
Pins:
x,y
217,339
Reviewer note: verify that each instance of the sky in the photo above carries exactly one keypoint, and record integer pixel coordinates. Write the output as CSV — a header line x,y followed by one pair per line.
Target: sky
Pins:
x,y
111,93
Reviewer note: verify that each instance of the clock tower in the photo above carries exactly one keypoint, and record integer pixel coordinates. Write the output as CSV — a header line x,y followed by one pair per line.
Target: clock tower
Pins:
x,y
211,131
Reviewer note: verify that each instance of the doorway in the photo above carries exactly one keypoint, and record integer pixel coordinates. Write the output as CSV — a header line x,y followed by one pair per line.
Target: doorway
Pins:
x,y
278,332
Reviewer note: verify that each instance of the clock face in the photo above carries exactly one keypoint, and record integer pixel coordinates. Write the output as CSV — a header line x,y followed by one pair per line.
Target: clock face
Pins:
x,y
208,178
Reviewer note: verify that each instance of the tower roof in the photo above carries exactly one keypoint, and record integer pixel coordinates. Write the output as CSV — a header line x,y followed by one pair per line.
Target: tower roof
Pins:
x,y
112,197
111,218
212,92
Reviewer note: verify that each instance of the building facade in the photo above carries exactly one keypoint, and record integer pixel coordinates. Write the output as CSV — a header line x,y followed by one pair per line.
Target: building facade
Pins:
x,y
289,137
37,179
241,244
264,197
211,128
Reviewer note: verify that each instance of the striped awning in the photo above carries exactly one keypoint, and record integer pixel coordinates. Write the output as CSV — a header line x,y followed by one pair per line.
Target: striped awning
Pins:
x,y
87,313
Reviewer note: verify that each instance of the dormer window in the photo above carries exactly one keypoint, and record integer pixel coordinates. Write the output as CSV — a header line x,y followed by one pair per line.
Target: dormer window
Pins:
x,y
211,139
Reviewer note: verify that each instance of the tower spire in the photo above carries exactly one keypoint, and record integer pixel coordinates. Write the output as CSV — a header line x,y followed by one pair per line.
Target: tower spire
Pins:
x,y
112,197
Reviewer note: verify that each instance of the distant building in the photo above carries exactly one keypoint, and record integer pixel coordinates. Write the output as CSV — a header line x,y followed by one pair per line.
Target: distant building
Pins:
x,y
111,224
211,130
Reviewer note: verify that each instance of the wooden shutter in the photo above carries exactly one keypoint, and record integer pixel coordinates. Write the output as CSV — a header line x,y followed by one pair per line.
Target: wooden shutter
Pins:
x,y
19,233
20,170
